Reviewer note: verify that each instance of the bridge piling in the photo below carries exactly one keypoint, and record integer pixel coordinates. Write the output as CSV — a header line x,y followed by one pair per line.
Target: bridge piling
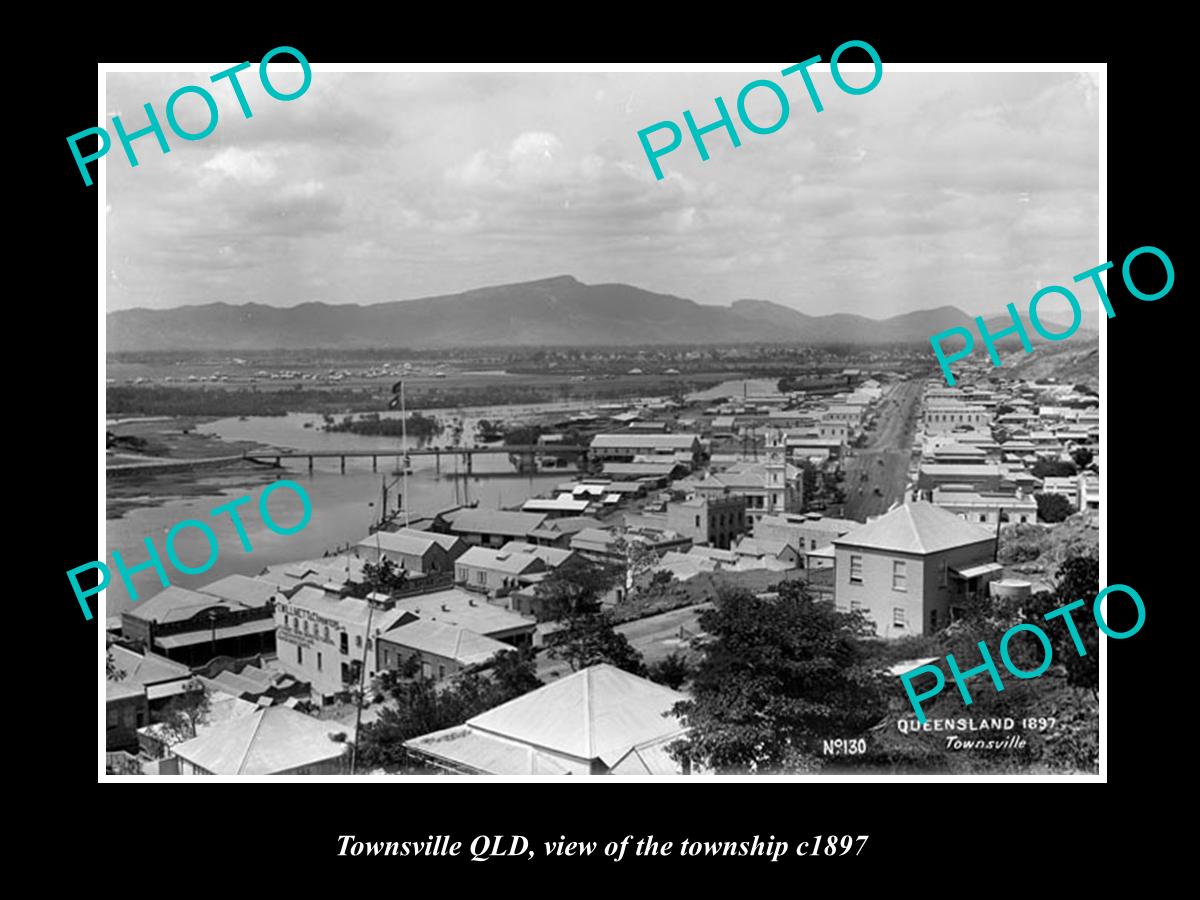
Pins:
x,y
343,465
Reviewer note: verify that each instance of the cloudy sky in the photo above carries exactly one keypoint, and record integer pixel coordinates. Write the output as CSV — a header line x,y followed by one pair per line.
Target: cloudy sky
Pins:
x,y
964,189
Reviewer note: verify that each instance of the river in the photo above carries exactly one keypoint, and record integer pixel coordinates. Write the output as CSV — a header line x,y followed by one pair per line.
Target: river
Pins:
x,y
341,513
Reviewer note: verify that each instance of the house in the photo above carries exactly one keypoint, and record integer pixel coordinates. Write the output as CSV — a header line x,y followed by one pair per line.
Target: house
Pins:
x,y
416,552
914,568
598,721
775,554
715,520
558,532
490,527
553,557
196,626
442,650
626,446
275,740
494,572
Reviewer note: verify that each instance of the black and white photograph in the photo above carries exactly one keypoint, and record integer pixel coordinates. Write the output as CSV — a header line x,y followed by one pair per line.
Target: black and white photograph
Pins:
x,y
655,421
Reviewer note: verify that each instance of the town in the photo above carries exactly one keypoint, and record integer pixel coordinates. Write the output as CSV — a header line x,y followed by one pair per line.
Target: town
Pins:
x,y
567,633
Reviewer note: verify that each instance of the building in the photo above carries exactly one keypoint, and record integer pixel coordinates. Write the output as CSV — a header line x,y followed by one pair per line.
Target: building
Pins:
x,y
598,721
945,416
776,555
321,637
770,488
495,572
806,532
416,552
986,508
146,684
126,710
194,627
716,520
441,649
628,446
490,527
914,569
472,612
982,478
563,506
272,741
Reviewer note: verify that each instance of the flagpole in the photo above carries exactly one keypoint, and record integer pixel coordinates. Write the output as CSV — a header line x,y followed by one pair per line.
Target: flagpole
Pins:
x,y
404,433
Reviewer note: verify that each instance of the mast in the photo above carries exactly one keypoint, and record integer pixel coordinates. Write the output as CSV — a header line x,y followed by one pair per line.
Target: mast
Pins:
x,y
404,437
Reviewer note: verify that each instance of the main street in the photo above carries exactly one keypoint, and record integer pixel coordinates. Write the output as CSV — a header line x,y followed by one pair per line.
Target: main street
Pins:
x,y
877,474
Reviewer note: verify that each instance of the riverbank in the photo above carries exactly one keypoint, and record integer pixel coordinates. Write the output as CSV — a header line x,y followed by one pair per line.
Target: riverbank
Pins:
x,y
156,461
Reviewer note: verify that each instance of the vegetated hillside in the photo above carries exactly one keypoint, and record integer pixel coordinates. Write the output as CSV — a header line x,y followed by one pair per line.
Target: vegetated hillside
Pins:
x,y
1073,361
559,311
1037,551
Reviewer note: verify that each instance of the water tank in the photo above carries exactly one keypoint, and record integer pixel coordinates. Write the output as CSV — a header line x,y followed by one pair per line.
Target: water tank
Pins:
x,y
1011,589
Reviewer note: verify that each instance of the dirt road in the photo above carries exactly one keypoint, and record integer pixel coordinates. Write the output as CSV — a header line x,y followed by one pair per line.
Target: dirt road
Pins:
x,y
883,465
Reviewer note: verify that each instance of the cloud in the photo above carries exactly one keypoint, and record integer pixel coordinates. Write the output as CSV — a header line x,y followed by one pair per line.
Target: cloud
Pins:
x,y
932,189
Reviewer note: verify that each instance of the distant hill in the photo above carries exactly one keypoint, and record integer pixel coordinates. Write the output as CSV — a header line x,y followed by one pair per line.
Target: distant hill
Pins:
x,y
558,311
1074,361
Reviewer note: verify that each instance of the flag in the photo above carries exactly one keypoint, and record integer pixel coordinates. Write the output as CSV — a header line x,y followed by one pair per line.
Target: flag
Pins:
x,y
394,403
396,387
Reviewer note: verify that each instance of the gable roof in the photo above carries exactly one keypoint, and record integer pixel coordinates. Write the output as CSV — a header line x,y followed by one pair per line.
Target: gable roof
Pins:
x,y
600,713
408,544
447,542
175,604
495,521
449,641
510,562
249,592
916,528
274,739
148,669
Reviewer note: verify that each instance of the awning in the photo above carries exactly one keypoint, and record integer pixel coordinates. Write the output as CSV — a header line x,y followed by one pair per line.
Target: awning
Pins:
x,y
976,571
190,638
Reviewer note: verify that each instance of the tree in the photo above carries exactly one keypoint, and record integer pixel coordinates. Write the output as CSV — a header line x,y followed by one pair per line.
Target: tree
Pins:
x,y
1054,468
186,712
1082,456
384,577
587,639
1053,507
672,671
1078,579
576,587
776,677
422,705
111,670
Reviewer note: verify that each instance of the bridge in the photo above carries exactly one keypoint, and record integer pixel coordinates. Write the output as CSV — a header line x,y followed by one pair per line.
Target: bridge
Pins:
x,y
276,456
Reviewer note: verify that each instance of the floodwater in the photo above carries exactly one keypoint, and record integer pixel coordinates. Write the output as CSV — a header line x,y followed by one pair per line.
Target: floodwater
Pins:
x,y
343,506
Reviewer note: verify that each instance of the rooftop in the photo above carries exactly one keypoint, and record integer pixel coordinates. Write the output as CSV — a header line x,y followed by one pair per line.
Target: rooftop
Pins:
x,y
599,713
272,740
449,641
916,528
459,607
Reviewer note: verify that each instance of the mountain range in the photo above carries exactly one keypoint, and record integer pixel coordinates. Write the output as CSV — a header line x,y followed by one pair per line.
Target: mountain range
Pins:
x,y
560,311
